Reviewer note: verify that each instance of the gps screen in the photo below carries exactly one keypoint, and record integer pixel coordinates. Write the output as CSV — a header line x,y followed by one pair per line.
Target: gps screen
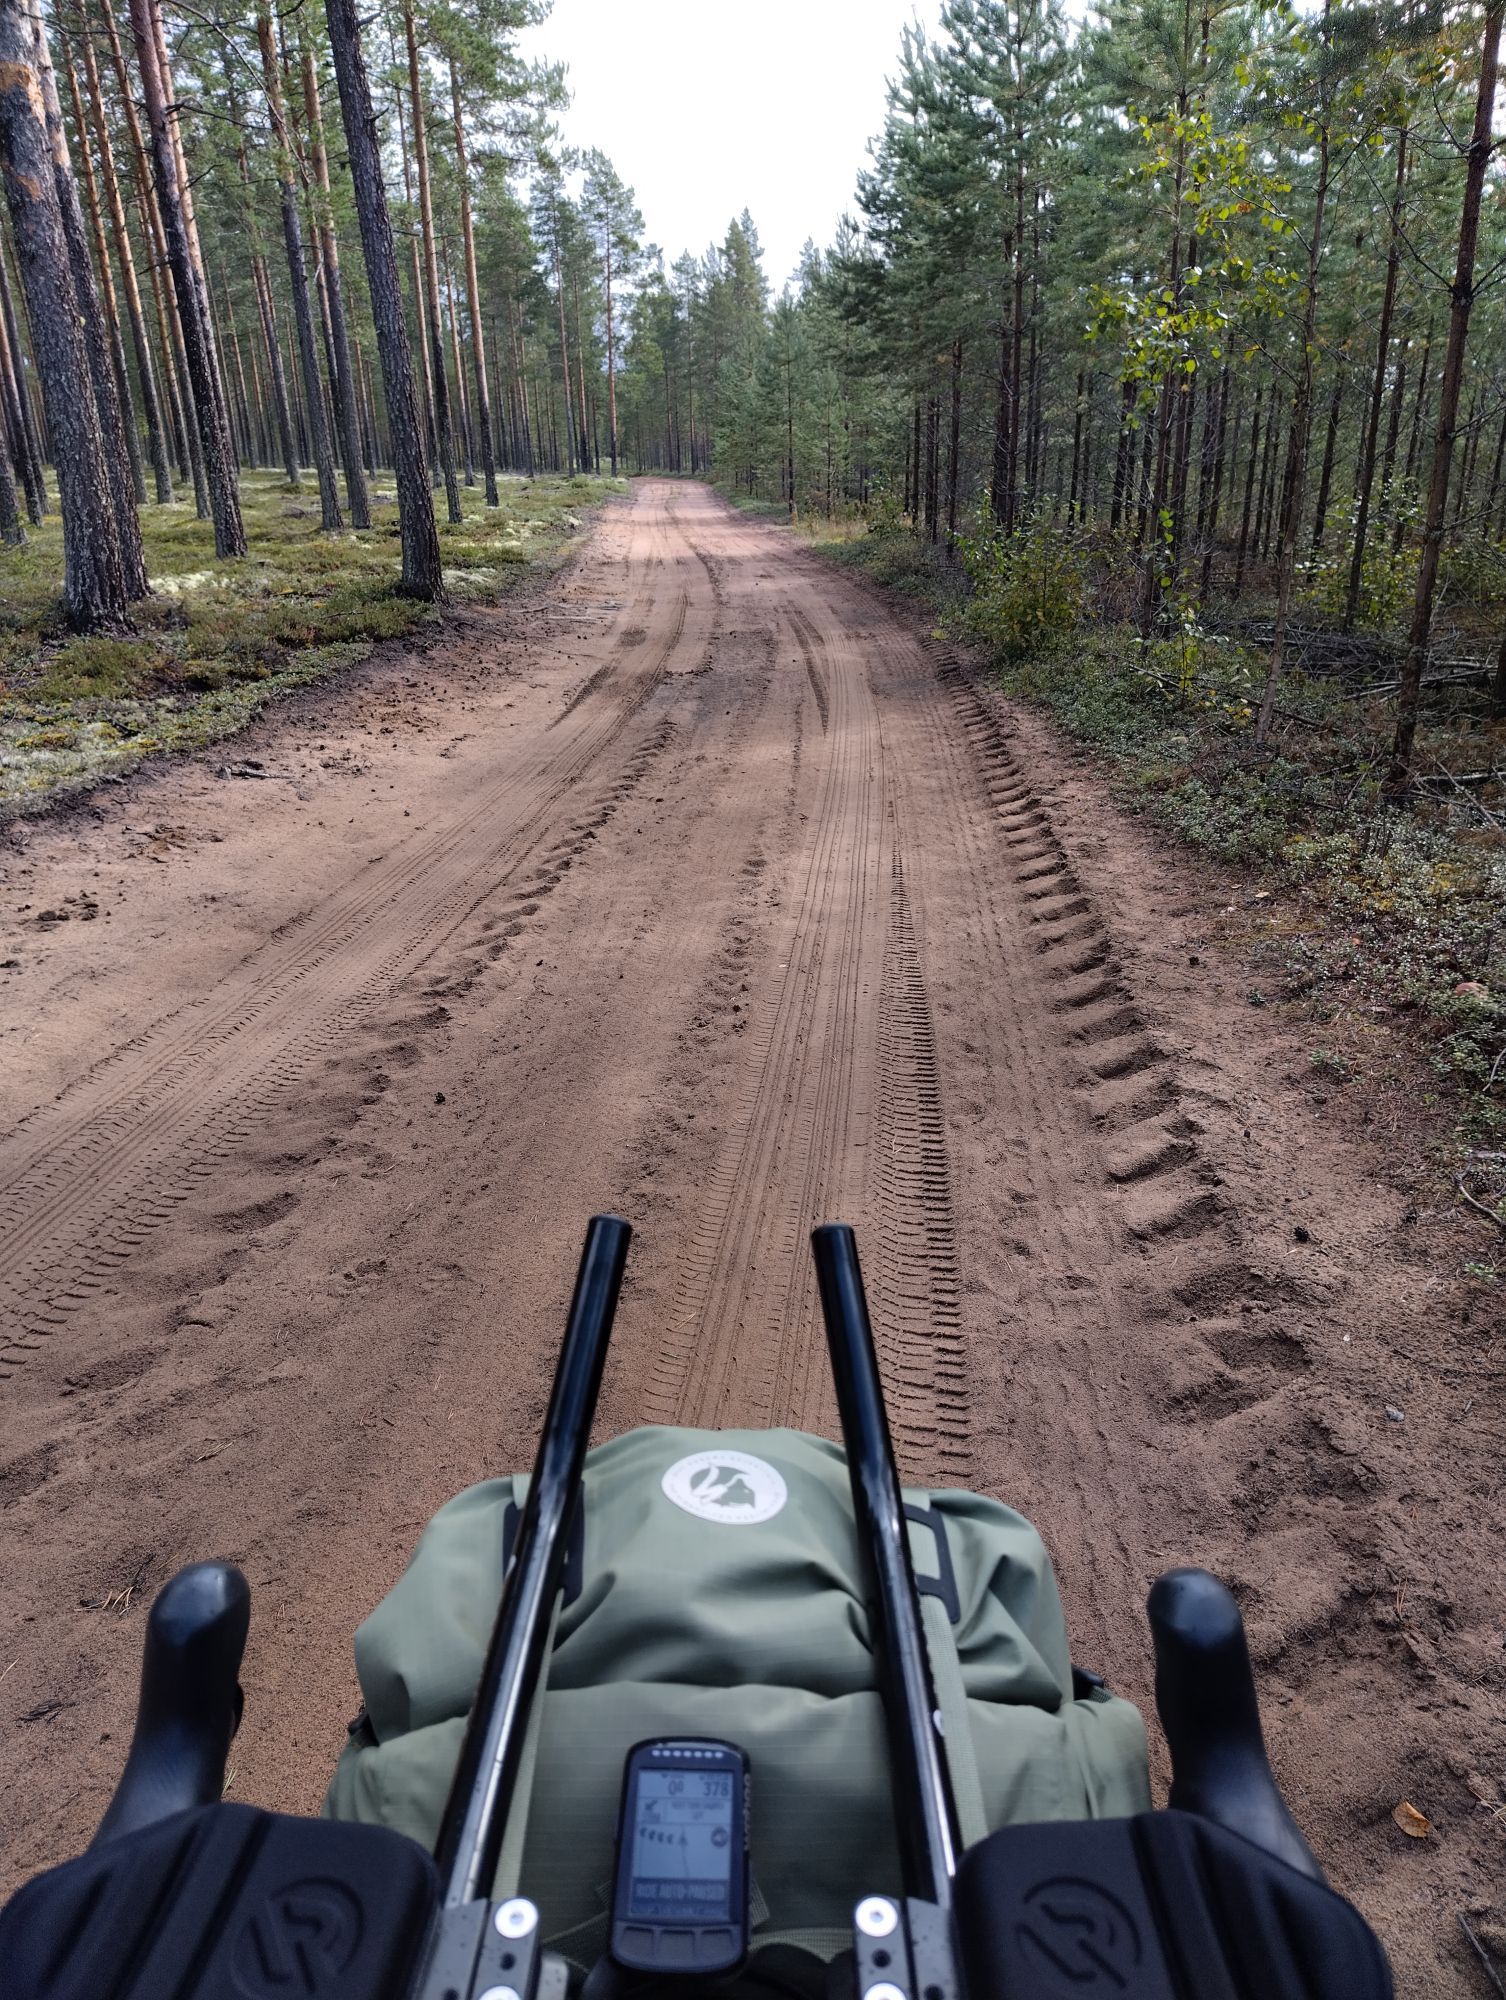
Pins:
x,y
682,1847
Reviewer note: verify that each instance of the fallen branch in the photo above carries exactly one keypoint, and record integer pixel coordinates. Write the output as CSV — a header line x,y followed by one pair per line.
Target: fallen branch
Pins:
x,y
1491,1214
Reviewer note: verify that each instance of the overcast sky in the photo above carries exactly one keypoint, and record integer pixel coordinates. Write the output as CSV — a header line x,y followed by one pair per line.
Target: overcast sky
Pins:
x,y
706,107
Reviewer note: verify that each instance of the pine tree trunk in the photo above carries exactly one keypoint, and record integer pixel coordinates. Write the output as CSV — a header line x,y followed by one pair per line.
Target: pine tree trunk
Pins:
x,y
998,488
264,454
586,457
520,376
1409,694
330,520
293,371
151,209
1210,458
95,585
1124,458
1245,515
1017,329
1297,441
156,437
109,302
242,400
421,575
444,435
282,409
933,457
261,286
1393,427
1143,496
365,414
504,450
1226,451
954,450
611,361
189,213
572,449
1078,411
343,376
219,468
12,532
462,397
690,384
24,444
1495,475
179,426
421,325
1181,467
473,304
1371,436
1264,501
170,335
1467,468
1419,405
102,354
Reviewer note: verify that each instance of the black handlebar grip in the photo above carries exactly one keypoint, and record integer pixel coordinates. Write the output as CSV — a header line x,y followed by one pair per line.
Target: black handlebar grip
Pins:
x,y
1205,1693
190,1702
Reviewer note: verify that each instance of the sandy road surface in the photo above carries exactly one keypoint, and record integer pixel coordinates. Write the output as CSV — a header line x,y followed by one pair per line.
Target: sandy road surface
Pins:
x,y
701,888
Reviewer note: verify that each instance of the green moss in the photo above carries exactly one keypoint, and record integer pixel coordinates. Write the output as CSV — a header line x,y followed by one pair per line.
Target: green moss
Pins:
x,y
219,639
96,669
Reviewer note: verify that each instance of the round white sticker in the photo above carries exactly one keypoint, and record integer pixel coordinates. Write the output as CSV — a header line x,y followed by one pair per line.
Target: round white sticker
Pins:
x,y
728,1486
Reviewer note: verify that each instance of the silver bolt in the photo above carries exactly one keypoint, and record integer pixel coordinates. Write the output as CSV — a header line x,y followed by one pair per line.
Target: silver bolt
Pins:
x,y
876,1917
515,1919
501,1993
884,1990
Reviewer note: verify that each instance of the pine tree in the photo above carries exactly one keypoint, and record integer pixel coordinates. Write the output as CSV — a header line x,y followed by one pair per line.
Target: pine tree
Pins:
x,y
193,314
96,591
422,575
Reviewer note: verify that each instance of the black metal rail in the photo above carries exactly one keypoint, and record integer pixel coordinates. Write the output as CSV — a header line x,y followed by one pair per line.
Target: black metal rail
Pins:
x,y
925,1817
470,1835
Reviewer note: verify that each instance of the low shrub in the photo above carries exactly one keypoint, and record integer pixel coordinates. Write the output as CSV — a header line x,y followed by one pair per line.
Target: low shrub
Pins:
x,y
1029,588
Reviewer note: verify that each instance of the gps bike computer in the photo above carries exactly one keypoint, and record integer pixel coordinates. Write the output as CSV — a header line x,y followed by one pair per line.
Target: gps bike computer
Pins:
x,y
680,1898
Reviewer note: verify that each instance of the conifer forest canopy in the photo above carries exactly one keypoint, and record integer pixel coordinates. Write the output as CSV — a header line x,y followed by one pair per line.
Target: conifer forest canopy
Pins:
x,y
1195,304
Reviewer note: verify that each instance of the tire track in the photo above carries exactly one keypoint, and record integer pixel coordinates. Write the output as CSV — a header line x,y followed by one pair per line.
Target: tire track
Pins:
x,y
839,1111
85,1179
740,1342
917,1282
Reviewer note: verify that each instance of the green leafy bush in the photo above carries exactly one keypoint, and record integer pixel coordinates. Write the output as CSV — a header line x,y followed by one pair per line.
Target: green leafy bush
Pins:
x,y
1388,579
1029,589
1474,569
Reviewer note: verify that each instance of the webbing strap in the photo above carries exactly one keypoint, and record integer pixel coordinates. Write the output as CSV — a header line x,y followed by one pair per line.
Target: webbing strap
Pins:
x,y
956,1724
822,1941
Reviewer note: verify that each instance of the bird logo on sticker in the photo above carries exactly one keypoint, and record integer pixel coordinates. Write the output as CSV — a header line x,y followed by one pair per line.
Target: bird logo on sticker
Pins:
x,y
730,1487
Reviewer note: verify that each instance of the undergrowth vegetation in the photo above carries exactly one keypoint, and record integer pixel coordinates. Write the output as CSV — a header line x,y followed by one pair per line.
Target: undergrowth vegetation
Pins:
x,y
1390,914
217,640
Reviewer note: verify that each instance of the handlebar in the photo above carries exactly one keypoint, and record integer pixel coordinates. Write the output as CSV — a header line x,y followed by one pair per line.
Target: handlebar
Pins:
x,y
1215,1897
1205,1696
190,1703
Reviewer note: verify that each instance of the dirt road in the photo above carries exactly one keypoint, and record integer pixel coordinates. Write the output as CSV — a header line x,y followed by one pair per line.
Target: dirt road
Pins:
x,y
703,889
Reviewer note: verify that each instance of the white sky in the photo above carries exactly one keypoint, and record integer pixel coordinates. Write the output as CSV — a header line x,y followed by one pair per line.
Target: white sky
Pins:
x,y
706,107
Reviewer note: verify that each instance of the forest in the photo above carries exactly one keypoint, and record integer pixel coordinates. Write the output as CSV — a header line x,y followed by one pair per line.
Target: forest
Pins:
x,y
1187,290
1162,353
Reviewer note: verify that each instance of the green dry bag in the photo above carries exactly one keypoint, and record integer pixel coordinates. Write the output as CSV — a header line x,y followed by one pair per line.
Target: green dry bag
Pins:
x,y
718,1591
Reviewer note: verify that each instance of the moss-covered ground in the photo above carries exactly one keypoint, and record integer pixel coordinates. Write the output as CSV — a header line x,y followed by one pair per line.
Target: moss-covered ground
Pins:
x,y
217,640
